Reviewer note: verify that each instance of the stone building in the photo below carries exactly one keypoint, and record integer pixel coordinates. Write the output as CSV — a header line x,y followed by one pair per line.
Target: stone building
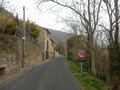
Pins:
x,y
52,49
47,44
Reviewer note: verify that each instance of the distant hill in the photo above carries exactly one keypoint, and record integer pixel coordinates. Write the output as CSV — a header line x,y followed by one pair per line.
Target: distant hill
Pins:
x,y
59,36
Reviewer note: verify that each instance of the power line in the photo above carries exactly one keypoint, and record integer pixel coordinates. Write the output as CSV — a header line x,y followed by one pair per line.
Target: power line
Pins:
x,y
29,16
26,11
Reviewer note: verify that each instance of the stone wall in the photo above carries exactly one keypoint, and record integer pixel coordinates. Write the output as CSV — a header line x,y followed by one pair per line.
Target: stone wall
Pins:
x,y
12,59
33,53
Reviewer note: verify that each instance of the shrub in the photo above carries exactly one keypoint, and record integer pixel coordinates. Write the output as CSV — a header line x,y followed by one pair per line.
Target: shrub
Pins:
x,y
101,75
85,79
70,55
91,81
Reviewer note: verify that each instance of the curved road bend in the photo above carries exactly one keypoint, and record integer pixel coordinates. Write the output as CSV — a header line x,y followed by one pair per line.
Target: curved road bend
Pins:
x,y
49,75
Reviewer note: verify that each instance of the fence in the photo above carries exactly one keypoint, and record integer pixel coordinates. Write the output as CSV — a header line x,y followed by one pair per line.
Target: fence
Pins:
x,y
19,33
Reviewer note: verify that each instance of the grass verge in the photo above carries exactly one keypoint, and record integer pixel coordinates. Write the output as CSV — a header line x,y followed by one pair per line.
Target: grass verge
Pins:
x,y
85,79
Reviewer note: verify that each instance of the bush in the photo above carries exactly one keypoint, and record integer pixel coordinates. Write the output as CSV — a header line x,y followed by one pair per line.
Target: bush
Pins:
x,y
101,75
91,81
73,67
70,55
85,79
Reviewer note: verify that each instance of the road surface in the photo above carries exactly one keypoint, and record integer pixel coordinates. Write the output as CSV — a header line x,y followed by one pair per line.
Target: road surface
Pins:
x,y
49,75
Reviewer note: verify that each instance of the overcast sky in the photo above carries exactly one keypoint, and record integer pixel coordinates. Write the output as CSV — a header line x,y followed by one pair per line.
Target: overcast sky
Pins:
x,y
47,19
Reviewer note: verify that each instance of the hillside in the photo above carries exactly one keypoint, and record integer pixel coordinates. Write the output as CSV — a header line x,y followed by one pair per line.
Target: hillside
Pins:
x,y
59,36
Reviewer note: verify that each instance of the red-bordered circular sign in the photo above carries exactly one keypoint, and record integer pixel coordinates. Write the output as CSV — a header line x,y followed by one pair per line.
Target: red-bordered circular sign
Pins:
x,y
81,54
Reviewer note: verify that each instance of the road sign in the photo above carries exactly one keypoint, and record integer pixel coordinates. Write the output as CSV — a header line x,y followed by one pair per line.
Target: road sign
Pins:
x,y
81,60
81,54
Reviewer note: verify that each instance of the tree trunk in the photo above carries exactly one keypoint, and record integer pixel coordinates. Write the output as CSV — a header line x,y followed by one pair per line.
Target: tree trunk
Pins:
x,y
116,21
92,55
3,30
114,49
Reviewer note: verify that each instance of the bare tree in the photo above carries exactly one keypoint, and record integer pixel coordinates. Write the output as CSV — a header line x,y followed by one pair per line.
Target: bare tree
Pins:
x,y
112,8
3,3
5,18
88,13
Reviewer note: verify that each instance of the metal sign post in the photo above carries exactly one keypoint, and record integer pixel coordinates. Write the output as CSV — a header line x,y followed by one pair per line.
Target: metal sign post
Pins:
x,y
81,54
81,69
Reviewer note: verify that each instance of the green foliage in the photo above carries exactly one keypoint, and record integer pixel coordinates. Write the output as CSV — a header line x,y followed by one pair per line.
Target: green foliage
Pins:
x,y
70,55
73,67
86,80
20,21
101,75
71,49
60,48
32,28
114,59
70,43
7,22
91,81
4,48
10,28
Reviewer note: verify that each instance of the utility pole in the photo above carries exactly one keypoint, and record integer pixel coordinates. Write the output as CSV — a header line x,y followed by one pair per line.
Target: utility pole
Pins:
x,y
24,53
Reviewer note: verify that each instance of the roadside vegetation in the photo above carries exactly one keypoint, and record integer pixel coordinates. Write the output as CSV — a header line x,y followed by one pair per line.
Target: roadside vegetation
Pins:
x,y
85,79
4,48
11,27
10,23
6,43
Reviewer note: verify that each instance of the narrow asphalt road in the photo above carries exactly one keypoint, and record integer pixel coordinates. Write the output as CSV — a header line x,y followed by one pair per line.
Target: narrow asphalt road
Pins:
x,y
50,75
